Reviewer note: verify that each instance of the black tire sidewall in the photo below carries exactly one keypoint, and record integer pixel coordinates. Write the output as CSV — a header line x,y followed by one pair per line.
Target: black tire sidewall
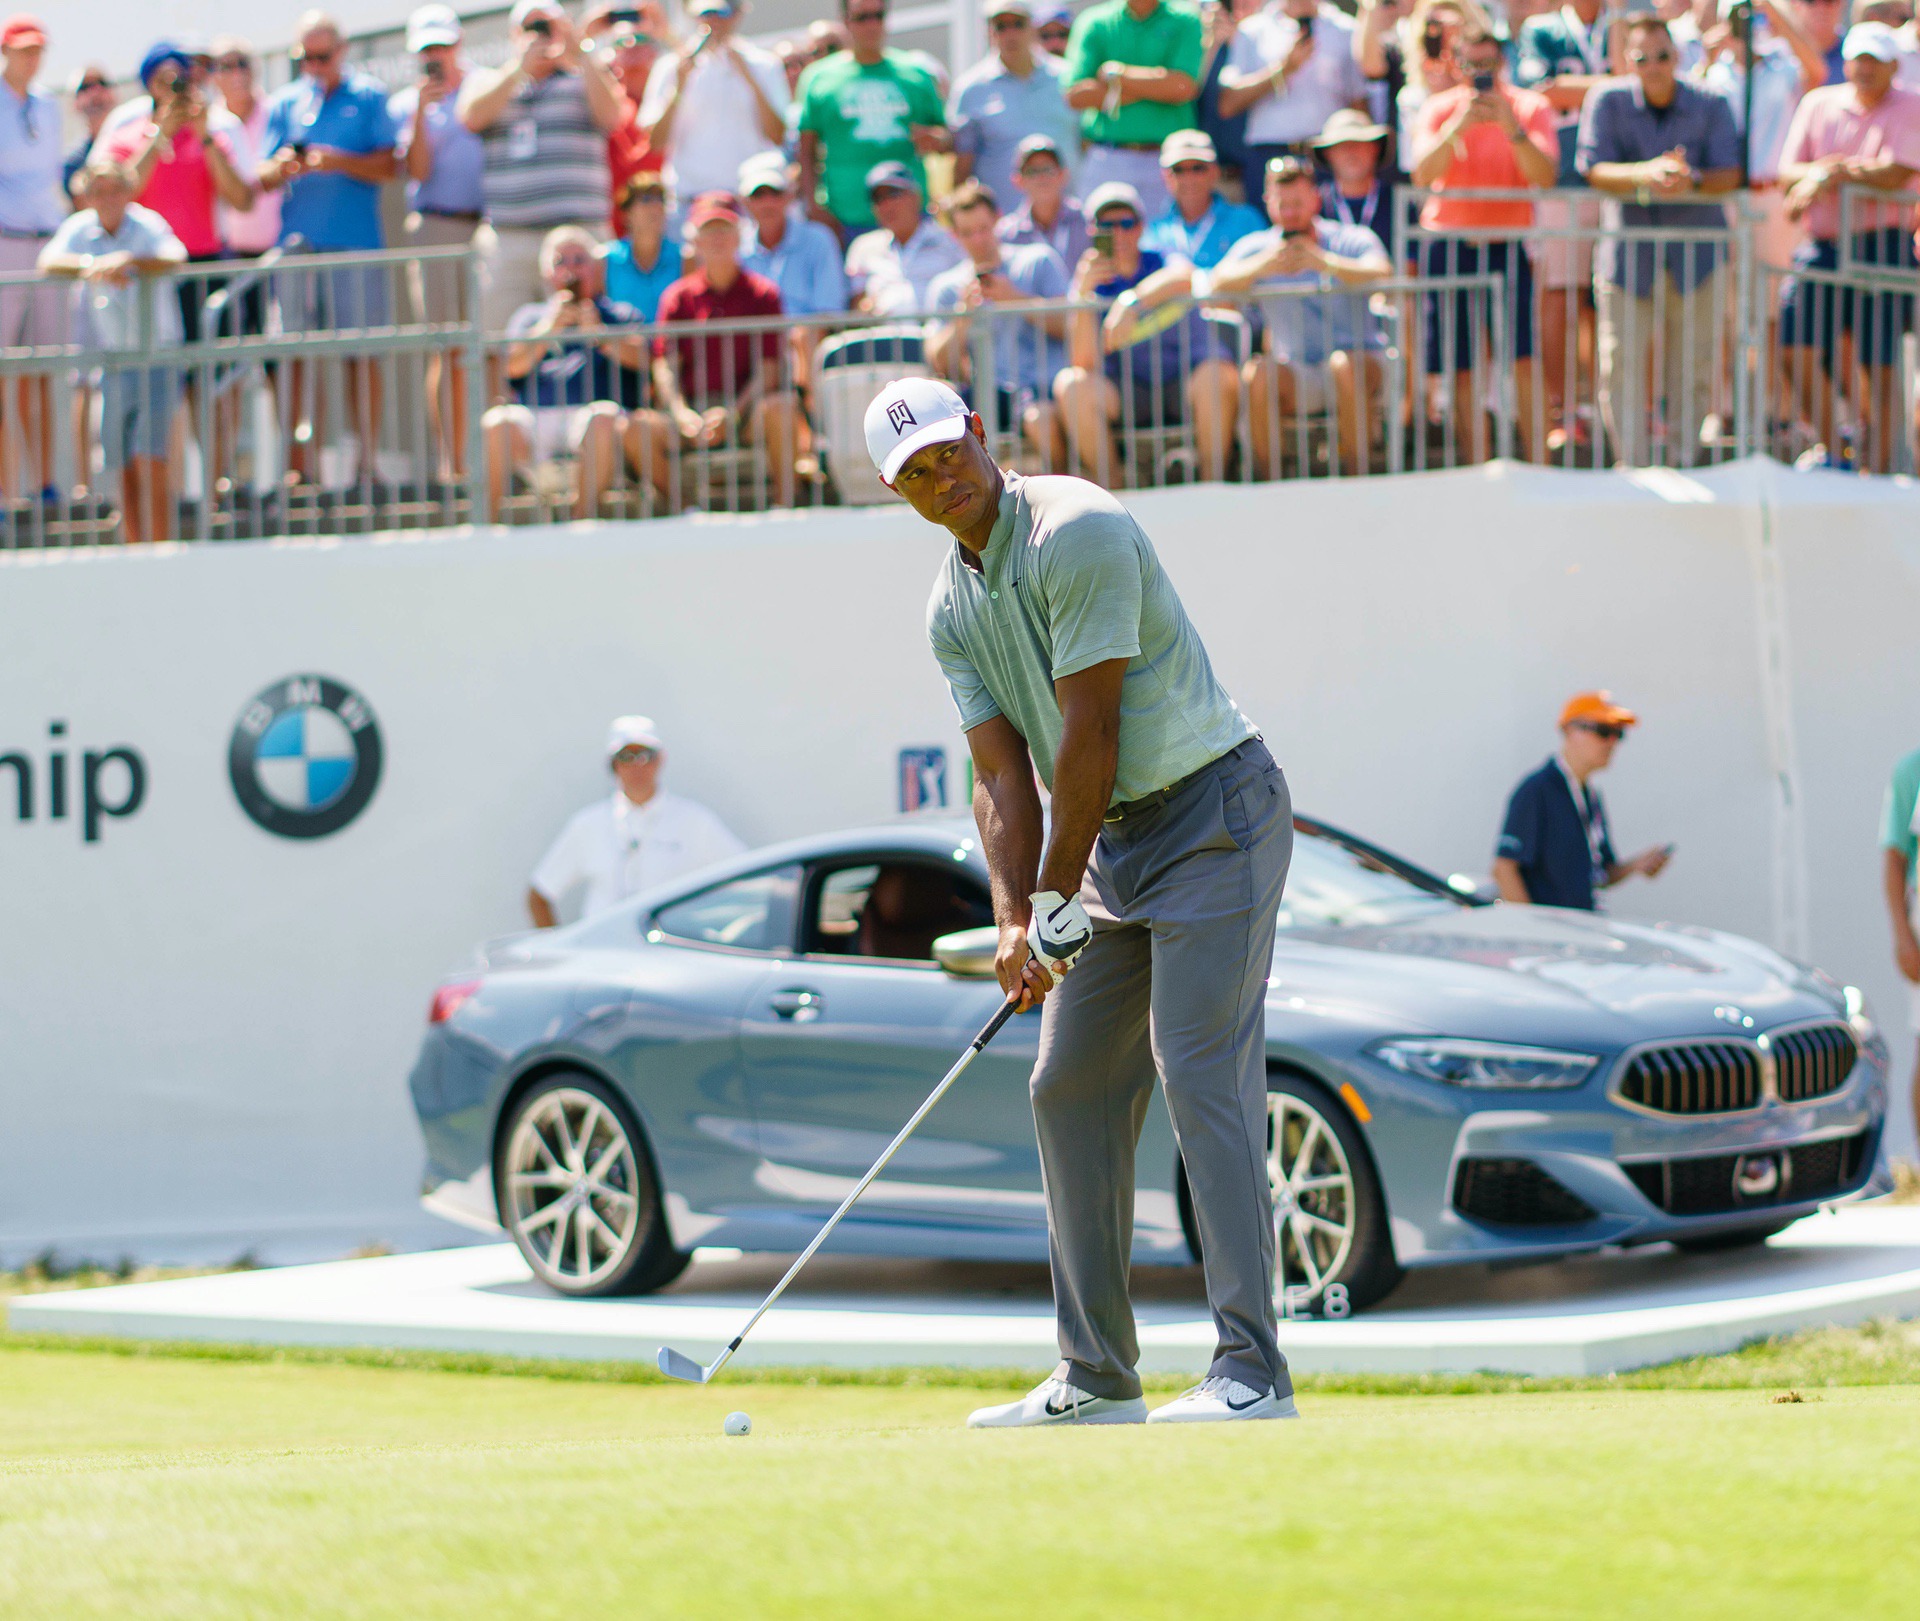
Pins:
x,y
653,1262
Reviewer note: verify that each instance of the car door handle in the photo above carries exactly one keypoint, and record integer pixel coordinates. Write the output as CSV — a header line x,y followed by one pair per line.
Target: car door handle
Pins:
x,y
799,1005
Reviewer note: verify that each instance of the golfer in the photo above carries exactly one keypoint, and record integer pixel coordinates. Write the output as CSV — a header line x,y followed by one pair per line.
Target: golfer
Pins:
x,y
1143,918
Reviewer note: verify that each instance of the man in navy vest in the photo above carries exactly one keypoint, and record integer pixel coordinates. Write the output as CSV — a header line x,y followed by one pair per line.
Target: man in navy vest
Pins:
x,y
1555,848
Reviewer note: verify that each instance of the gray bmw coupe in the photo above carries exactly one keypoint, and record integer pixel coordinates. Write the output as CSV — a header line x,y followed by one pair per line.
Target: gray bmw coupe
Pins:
x,y
716,1063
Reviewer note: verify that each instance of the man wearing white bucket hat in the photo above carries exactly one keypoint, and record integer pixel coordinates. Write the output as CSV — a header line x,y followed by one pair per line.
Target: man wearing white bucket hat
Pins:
x,y
1156,883
629,840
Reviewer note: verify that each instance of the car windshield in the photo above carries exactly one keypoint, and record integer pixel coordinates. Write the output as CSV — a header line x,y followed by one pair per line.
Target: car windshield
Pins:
x,y
1332,883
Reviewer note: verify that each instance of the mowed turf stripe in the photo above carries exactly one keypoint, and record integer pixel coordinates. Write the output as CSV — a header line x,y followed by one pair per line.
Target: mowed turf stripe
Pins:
x,y
280,1491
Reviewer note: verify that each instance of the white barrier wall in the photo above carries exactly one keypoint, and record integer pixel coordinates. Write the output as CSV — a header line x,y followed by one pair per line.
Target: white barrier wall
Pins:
x,y
205,1028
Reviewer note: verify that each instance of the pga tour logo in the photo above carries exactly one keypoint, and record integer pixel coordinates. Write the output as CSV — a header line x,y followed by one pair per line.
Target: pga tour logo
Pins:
x,y
305,757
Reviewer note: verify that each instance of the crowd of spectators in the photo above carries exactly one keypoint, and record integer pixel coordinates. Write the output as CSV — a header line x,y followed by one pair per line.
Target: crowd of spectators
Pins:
x,y
1142,154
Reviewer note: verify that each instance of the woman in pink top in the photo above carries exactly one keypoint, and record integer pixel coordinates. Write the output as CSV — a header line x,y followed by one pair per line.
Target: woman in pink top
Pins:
x,y
183,169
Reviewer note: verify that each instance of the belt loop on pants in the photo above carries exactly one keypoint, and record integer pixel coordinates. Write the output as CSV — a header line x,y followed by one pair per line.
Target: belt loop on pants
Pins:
x,y
1160,796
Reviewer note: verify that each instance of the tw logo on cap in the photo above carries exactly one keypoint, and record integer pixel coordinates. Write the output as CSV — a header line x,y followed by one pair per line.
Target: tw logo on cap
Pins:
x,y
900,415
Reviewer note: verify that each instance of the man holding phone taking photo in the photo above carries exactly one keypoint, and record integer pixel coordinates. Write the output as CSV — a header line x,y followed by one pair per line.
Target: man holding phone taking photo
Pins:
x,y
717,103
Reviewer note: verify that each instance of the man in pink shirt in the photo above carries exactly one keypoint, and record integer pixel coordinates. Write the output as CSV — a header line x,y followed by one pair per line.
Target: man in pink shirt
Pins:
x,y
1482,134
1864,133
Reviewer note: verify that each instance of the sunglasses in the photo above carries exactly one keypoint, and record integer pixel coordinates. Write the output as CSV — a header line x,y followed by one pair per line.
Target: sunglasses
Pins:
x,y
1009,25
1118,222
1190,168
866,16
636,755
1055,31
91,84
233,64
1601,729
1641,58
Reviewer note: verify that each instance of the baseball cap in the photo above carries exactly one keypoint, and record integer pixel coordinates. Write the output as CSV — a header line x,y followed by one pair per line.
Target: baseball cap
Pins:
x,y
1876,40
1006,8
763,171
1187,146
632,731
1111,193
524,9
1597,706
432,25
1348,125
713,205
23,29
707,8
909,415
1033,145
892,175
1053,15
165,51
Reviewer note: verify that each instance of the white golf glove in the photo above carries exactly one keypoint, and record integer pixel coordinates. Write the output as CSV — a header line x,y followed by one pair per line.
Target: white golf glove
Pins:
x,y
1059,930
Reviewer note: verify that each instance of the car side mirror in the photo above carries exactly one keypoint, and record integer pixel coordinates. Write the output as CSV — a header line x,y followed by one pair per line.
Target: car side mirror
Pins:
x,y
968,954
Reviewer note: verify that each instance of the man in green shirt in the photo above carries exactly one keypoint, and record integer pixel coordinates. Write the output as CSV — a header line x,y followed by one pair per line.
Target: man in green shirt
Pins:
x,y
1157,884
1900,878
860,107
1133,71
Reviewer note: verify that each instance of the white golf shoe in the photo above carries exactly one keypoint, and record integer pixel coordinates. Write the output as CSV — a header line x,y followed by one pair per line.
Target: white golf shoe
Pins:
x,y
1217,1399
1054,1401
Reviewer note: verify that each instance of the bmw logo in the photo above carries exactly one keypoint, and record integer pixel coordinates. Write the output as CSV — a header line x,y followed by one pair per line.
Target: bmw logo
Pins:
x,y
305,757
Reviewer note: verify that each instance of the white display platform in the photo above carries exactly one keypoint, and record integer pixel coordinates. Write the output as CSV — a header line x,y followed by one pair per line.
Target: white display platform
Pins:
x,y
1595,1314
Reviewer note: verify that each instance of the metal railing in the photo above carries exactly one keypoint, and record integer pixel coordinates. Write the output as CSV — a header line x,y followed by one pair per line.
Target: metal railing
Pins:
x,y
308,394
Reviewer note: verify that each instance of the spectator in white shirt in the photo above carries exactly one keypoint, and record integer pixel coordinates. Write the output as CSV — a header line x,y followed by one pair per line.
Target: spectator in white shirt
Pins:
x,y
714,104
891,268
1290,68
631,840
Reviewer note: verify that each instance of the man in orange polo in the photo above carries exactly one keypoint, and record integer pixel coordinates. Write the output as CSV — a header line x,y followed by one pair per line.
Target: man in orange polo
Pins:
x,y
1555,848
1481,135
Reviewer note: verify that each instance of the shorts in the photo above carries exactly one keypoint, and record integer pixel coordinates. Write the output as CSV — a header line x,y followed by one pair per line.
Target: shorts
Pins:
x,y
315,297
1564,261
1814,314
1148,402
557,430
136,414
437,290
32,314
1454,332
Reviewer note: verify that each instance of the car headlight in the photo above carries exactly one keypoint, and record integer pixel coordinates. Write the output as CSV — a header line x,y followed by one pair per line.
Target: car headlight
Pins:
x,y
1460,1062
1860,1018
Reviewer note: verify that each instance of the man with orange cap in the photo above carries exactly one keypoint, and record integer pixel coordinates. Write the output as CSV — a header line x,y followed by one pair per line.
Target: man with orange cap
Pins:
x,y
1555,849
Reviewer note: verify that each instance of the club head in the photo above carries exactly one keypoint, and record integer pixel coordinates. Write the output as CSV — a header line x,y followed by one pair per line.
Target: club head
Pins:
x,y
678,1365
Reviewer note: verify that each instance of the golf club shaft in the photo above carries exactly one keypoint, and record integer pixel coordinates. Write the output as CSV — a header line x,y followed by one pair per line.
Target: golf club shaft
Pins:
x,y
987,1033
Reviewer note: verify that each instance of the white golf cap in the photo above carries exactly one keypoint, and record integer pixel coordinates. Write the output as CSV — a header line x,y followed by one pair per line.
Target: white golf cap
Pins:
x,y
432,25
907,416
524,9
1187,146
1872,39
1114,194
632,731
762,170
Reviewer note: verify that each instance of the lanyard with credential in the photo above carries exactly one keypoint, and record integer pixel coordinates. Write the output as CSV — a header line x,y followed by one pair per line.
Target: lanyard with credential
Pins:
x,y
1366,214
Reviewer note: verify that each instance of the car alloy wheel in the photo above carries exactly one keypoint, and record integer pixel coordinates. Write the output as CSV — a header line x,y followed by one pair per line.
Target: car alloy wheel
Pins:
x,y
1314,1207
573,1190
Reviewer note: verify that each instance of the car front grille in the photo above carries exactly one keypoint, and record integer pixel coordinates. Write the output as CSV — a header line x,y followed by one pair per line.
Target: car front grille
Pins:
x,y
1705,1186
1812,1062
1697,1077
1515,1193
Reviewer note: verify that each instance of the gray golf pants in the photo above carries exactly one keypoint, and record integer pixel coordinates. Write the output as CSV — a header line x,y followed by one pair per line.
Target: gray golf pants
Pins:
x,y
1183,888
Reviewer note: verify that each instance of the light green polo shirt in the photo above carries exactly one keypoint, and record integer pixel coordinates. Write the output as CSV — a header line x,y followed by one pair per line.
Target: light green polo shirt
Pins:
x,y
1168,37
1897,831
1069,580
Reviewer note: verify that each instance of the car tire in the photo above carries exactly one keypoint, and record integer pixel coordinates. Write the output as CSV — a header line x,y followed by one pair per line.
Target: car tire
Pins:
x,y
583,1234
1737,1238
1331,1184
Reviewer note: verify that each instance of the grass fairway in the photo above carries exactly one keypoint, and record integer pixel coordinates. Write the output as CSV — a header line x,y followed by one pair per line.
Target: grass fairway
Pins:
x,y
162,1487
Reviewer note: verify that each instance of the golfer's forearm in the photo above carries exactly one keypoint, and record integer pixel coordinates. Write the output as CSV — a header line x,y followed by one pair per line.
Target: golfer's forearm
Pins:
x,y
1010,832
1507,879
1082,788
1893,884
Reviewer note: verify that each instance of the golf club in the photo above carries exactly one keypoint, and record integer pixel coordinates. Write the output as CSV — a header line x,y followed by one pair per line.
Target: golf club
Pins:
x,y
678,1365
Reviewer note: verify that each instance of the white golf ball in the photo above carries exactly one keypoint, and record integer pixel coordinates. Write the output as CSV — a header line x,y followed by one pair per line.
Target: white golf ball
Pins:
x,y
737,1424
